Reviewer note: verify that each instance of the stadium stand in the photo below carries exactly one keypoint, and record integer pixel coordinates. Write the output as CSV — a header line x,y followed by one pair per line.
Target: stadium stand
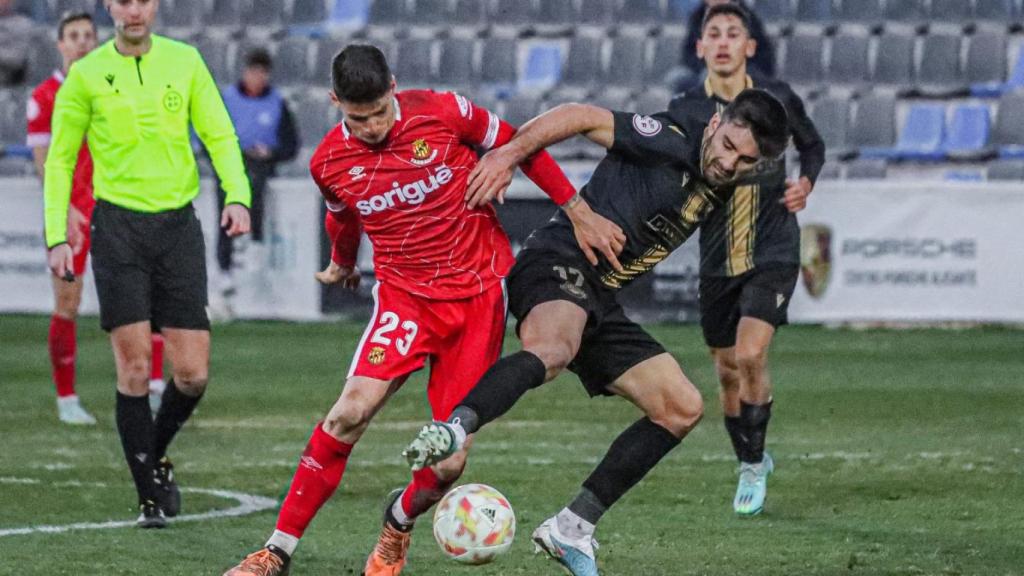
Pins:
x,y
863,67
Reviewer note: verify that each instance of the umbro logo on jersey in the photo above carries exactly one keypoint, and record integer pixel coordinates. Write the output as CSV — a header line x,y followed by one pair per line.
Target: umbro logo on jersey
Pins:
x,y
414,193
357,173
110,79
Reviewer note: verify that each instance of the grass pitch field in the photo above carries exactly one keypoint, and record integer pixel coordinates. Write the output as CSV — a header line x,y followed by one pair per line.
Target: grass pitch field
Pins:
x,y
896,452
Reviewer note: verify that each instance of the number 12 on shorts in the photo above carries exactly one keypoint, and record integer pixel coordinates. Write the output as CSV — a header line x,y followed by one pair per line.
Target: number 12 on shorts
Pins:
x,y
389,322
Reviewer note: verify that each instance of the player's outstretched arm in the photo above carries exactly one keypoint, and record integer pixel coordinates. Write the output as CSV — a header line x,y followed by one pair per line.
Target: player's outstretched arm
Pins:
x,y
345,231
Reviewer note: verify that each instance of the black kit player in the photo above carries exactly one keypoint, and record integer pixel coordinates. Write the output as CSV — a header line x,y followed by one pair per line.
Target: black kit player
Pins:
x,y
662,176
749,250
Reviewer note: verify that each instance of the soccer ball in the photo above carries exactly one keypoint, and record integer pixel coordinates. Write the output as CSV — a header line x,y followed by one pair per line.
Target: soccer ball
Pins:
x,y
474,524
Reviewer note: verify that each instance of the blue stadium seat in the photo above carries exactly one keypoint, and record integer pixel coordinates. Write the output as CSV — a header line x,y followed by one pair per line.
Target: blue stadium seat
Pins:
x,y
774,10
456,64
940,74
802,64
894,63
641,12
311,12
874,125
922,134
867,12
543,68
968,134
1008,133
1016,79
583,64
596,11
986,63
349,14
848,62
681,9
627,63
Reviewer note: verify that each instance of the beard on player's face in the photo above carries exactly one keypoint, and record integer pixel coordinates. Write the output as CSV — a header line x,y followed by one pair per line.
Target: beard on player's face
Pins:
x,y
728,153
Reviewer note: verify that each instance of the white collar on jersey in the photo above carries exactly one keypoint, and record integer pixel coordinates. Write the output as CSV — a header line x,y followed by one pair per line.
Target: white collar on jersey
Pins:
x,y
398,116
58,75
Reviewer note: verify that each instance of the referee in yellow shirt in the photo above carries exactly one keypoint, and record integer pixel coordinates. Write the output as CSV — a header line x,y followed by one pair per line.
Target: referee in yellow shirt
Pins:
x,y
134,98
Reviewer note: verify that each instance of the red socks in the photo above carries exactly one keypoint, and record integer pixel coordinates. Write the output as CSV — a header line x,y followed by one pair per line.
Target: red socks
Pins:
x,y
425,490
156,370
62,354
318,475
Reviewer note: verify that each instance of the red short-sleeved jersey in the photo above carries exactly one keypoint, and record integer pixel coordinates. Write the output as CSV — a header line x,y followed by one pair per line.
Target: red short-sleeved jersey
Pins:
x,y
39,113
409,194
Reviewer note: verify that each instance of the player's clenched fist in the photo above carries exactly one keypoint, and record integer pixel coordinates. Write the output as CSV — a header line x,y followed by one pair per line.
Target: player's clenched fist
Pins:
x,y
347,276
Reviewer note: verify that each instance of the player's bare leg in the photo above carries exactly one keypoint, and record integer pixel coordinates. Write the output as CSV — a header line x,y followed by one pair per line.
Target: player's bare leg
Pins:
x,y
551,334
62,345
746,403
320,471
672,407
131,344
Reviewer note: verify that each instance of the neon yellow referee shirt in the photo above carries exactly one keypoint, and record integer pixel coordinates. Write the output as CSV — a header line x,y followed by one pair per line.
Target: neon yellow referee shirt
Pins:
x,y
136,113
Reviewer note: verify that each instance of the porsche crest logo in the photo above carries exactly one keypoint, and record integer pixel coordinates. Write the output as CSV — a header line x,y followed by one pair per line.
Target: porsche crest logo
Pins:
x,y
422,153
376,356
816,258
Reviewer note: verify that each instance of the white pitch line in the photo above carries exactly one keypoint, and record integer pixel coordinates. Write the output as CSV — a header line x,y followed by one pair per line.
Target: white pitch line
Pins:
x,y
247,504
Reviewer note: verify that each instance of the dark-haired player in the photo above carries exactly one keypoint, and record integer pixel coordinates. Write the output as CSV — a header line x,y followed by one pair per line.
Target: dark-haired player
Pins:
x,y
749,250
396,168
662,176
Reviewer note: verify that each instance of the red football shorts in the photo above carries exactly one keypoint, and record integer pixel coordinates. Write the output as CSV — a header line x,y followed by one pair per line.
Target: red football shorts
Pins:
x,y
83,254
461,338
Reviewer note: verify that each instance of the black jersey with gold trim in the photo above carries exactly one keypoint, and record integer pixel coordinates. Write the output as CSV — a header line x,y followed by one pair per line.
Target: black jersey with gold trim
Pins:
x,y
650,184
754,228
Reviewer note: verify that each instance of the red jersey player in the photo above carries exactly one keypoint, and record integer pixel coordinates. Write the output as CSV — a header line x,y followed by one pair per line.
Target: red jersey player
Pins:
x,y
76,37
397,168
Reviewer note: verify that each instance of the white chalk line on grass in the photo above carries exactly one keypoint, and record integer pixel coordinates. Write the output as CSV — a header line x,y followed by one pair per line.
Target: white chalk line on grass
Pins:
x,y
247,504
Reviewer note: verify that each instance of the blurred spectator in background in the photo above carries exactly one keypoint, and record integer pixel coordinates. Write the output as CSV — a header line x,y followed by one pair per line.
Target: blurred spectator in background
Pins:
x,y
15,43
763,62
267,135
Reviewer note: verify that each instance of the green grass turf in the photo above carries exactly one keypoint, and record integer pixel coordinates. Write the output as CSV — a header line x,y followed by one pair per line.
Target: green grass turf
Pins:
x,y
896,452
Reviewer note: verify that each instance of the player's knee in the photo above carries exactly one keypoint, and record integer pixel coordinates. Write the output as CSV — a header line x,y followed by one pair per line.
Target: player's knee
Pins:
x,y
556,355
351,414
680,411
135,370
751,358
193,384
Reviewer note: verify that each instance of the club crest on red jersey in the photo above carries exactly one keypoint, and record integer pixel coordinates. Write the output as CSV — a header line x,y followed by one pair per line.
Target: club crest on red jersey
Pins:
x,y
376,356
422,153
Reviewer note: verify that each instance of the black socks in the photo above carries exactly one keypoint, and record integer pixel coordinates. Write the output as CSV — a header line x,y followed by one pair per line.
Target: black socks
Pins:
x,y
499,390
175,409
748,430
135,426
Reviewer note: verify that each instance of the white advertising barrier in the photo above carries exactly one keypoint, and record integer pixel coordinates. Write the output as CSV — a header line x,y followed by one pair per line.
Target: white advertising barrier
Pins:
x,y
911,251
277,283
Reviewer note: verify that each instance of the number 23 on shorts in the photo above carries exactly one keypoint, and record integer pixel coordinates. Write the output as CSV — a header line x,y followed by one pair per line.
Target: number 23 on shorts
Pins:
x,y
388,324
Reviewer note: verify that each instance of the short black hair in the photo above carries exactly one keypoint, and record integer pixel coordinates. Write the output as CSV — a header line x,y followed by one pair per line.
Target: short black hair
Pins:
x,y
70,17
360,74
729,9
766,118
258,57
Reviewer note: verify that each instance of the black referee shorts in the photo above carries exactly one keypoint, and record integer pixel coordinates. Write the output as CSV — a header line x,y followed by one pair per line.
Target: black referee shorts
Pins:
x,y
149,267
612,343
762,293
